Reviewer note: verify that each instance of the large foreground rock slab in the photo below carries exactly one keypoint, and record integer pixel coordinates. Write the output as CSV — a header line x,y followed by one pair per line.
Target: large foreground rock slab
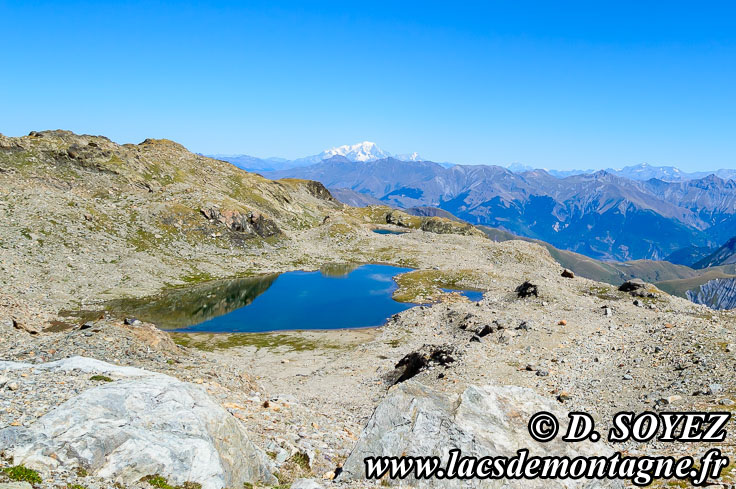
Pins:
x,y
414,420
144,424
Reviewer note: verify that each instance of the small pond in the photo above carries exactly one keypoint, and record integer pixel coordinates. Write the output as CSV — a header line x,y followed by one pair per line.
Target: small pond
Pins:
x,y
472,295
388,231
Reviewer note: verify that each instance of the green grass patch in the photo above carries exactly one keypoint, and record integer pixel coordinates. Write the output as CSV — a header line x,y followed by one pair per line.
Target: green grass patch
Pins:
x,y
604,292
424,285
223,341
162,483
22,474
101,378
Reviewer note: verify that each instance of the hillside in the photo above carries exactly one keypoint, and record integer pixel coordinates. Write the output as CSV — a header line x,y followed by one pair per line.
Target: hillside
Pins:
x,y
104,219
725,255
96,220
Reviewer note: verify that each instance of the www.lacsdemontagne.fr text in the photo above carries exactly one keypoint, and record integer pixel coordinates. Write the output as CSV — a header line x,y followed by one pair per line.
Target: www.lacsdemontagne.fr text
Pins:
x,y
640,470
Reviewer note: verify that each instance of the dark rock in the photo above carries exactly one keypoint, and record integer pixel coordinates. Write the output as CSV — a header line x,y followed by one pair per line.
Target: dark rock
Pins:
x,y
87,325
568,273
476,339
527,289
525,326
414,362
632,285
485,330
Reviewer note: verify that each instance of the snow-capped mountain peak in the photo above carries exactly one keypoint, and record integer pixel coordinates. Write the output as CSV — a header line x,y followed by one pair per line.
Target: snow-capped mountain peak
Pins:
x,y
365,151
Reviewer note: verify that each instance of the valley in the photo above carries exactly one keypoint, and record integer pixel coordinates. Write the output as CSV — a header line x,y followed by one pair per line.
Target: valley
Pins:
x,y
91,231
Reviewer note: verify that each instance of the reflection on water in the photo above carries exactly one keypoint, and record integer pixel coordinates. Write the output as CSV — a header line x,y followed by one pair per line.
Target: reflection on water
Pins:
x,y
182,307
337,269
472,295
337,296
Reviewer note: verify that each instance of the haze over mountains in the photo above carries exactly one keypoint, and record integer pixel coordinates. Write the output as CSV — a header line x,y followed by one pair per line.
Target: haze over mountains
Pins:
x,y
369,151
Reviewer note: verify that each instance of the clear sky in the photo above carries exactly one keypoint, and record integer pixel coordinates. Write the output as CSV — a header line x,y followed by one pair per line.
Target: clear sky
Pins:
x,y
549,84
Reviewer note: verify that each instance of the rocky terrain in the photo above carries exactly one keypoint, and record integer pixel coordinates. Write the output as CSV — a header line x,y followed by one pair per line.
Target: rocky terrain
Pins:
x,y
86,221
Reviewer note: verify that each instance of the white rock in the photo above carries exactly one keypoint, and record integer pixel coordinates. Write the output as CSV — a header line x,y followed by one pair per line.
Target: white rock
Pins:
x,y
83,364
91,365
483,421
144,425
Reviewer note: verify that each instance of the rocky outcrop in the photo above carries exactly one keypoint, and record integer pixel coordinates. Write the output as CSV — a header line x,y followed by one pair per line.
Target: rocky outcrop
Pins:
x,y
632,285
316,189
413,363
414,420
249,223
437,225
719,293
637,288
142,424
441,225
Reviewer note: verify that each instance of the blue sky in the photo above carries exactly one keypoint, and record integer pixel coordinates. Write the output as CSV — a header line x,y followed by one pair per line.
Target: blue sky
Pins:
x,y
548,84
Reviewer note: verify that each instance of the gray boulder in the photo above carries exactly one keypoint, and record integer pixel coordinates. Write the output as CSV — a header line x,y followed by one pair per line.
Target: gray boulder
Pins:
x,y
414,420
140,425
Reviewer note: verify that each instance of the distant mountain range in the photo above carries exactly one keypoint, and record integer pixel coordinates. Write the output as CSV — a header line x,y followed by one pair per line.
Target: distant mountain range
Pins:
x,y
639,172
360,152
600,214
368,151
